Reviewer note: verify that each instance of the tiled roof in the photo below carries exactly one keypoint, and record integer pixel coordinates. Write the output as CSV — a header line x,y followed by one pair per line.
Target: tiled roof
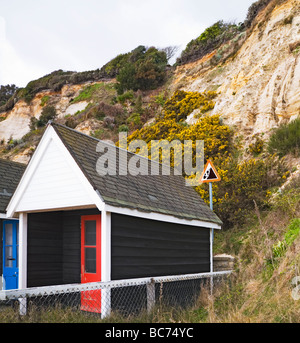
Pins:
x,y
10,175
165,194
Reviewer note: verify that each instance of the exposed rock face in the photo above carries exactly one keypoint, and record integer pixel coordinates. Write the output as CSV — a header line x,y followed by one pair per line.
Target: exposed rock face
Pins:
x,y
16,125
258,87
17,121
257,79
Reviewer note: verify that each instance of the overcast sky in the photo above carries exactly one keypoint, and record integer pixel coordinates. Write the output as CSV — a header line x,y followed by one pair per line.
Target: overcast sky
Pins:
x,y
40,36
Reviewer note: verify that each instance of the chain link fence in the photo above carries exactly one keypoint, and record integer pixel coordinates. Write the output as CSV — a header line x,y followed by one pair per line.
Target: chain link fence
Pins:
x,y
122,298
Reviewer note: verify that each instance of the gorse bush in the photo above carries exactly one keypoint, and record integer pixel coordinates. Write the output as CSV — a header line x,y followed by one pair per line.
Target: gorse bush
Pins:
x,y
242,182
257,147
181,104
286,139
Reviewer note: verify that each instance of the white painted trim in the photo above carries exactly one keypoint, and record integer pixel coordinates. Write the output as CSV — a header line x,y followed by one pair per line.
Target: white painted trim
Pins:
x,y
161,217
49,136
23,250
105,246
3,216
29,171
105,262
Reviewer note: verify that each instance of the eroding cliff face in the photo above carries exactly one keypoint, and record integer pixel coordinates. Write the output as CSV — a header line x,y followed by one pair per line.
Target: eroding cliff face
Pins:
x,y
257,79
17,121
259,86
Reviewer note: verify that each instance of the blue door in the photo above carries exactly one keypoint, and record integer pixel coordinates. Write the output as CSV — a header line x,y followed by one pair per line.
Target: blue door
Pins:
x,y
10,254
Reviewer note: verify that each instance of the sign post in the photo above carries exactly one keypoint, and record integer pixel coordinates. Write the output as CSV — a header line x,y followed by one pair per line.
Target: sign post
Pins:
x,y
210,196
209,176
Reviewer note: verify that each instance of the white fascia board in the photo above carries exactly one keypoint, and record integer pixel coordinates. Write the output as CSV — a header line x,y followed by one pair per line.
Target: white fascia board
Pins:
x,y
4,216
48,136
29,171
161,217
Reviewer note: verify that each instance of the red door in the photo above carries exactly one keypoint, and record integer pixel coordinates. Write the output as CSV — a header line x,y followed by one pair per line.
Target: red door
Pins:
x,y
91,261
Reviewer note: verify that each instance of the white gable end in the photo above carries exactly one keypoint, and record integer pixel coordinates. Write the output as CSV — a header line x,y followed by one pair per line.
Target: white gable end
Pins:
x,y
54,182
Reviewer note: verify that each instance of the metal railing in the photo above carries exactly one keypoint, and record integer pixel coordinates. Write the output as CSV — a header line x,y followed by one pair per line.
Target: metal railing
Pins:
x,y
122,297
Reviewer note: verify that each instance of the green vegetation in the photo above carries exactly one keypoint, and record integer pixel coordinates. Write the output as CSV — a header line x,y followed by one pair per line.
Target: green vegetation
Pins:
x,y
253,11
244,183
53,81
292,233
256,148
97,90
224,37
48,113
142,69
212,38
6,92
45,100
286,139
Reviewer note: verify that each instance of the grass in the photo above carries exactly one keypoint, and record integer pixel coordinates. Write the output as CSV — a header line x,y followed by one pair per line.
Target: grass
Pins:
x,y
103,91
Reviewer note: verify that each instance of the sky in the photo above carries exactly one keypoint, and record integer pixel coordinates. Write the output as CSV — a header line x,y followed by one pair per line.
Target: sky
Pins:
x,y
40,36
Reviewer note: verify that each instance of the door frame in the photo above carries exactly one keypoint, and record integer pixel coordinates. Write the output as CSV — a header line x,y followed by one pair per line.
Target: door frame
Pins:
x,y
15,251
91,277
91,300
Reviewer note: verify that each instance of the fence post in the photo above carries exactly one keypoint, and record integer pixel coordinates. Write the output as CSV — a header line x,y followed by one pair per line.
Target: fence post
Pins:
x,y
22,306
150,295
105,302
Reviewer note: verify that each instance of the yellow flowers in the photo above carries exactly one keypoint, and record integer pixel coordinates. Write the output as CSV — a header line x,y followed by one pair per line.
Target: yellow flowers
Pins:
x,y
242,182
181,104
257,147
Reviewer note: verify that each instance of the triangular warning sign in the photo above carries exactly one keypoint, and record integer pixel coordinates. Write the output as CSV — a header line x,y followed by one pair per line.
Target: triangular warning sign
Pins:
x,y
210,173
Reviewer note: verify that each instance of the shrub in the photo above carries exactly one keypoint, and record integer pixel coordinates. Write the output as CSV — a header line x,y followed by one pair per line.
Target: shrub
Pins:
x,y
45,100
125,97
123,128
6,92
242,182
48,113
181,104
286,139
212,38
257,147
253,11
134,119
142,69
